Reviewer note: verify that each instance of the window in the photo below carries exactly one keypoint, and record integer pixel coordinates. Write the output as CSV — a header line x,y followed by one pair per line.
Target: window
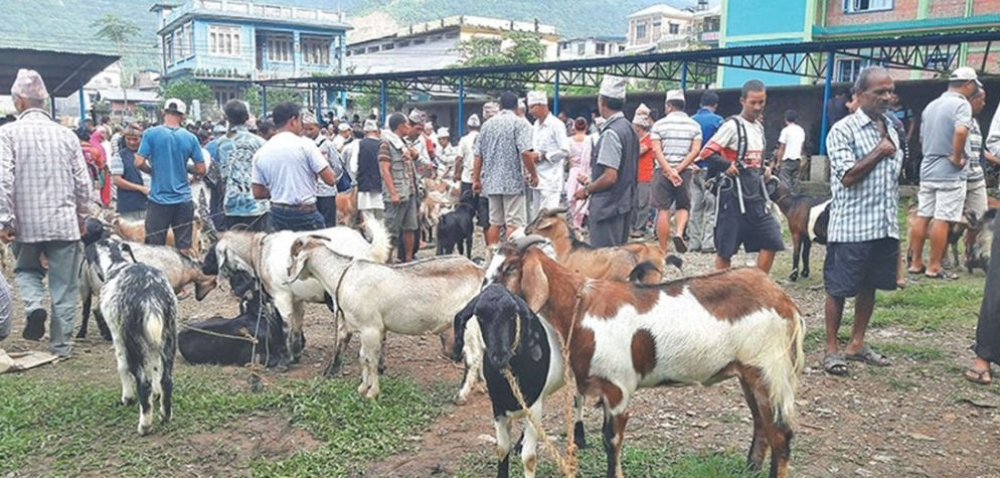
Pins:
x,y
279,48
388,46
224,40
675,29
168,51
419,41
183,41
316,51
860,6
451,35
640,30
847,70
600,49
581,49
373,49
404,43
711,24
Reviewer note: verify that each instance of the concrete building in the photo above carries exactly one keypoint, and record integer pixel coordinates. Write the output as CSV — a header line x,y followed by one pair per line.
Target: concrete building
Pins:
x,y
434,45
227,44
662,28
590,47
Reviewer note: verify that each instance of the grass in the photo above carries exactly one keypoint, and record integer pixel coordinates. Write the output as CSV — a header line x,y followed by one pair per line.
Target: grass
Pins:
x,y
59,429
915,351
638,462
930,305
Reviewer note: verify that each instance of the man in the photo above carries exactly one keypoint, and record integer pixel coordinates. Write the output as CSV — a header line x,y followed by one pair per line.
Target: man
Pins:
x,y
614,165
701,226
789,156
396,162
448,155
911,167
975,196
550,148
234,154
344,134
367,174
676,144
863,249
503,153
326,196
463,171
132,188
944,130
836,107
736,152
417,143
164,154
642,124
266,129
285,171
42,209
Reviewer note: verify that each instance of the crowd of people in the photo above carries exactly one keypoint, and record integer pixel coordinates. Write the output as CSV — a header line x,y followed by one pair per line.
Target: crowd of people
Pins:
x,y
696,183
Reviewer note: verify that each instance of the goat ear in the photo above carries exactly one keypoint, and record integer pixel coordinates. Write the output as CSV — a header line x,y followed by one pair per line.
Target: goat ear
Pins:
x,y
544,225
297,269
461,318
534,284
127,248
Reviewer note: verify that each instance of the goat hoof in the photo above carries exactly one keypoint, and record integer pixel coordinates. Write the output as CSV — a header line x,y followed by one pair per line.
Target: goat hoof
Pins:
x,y
81,335
127,401
794,276
144,430
805,274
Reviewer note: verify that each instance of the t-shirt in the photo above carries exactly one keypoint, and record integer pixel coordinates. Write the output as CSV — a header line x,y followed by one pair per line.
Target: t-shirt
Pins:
x,y
793,137
973,153
234,158
646,160
726,142
167,151
937,132
467,146
502,139
287,165
676,132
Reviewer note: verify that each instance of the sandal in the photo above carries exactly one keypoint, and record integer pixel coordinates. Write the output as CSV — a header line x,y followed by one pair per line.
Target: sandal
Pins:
x,y
942,274
834,364
916,271
979,377
870,357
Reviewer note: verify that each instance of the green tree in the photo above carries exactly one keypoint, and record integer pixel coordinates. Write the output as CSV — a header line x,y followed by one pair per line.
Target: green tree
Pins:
x,y
512,48
187,91
118,31
274,96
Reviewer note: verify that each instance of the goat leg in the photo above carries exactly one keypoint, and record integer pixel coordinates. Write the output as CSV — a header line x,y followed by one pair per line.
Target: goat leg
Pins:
x,y
796,249
86,316
806,245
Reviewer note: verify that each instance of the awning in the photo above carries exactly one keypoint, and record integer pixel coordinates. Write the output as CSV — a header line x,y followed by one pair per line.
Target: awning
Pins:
x,y
63,72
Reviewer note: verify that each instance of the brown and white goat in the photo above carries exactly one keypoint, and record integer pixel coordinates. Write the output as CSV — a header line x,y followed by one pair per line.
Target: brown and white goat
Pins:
x,y
135,231
612,263
803,214
706,329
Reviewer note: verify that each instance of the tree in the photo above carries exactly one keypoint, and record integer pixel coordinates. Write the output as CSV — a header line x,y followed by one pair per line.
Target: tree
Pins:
x,y
512,48
117,31
187,91
274,96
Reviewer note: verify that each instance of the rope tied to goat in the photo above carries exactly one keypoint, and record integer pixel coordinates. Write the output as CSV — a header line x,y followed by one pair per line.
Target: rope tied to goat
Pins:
x,y
245,337
568,465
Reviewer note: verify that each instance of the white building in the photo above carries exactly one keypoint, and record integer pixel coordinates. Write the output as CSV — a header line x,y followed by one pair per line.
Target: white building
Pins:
x,y
435,45
591,47
659,27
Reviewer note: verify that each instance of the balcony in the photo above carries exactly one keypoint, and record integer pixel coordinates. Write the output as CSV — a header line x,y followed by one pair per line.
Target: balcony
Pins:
x,y
254,11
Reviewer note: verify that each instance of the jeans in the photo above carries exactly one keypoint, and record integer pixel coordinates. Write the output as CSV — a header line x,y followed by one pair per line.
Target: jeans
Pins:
x,y
284,219
789,174
64,264
6,308
701,227
327,207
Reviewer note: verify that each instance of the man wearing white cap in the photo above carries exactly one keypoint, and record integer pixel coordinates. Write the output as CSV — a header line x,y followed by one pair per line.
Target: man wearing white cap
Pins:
x,y
676,144
164,154
326,196
944,129
364,169
42,209
550,148
614,170
343,135
448,153
463,172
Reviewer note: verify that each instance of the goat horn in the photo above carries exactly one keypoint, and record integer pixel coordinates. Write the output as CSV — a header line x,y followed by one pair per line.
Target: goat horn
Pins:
x,y
523,243
557,212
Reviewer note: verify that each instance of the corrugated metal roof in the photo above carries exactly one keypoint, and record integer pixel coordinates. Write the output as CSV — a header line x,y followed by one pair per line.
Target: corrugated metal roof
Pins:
x,y
63,72
984,22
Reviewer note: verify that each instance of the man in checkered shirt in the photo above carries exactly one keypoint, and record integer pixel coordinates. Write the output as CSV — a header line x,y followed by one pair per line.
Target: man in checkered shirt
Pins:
x,y
46,198
863,249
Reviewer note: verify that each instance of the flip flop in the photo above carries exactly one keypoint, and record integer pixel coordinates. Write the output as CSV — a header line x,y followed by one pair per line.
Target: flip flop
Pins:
x,y
834,364
979,377
36,325
869,357
680,245
942,274
916,271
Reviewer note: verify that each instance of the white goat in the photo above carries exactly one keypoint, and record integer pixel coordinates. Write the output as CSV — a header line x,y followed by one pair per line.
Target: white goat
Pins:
x,y
412,299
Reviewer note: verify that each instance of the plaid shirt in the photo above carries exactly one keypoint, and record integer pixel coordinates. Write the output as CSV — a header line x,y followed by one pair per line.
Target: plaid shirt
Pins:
x,y
868,210
47,191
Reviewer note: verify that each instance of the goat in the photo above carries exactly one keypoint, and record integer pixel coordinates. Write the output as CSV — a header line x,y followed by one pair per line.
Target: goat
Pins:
x,y
613,263
955,232
347,207
455,228
257,321
135,231
622,337
245,257
802,213
517,339
979,241
141,311
180,270
412,299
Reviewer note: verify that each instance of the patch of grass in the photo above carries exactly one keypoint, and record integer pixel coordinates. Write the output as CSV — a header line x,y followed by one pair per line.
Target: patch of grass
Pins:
x,y
914,351
930,305
637,461
901,385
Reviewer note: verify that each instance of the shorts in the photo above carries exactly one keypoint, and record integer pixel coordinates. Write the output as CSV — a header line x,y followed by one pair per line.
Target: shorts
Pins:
x,y
756,230
941,200
852,267
507,210
401,217
665,195
975,198
162,217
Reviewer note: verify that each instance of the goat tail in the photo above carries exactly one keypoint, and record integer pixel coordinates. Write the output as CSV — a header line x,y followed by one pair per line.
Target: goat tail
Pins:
x,y
784,377
381,242
153,328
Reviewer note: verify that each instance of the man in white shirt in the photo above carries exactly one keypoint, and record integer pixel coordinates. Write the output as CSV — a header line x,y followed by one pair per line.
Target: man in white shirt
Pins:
x,y
448,153
790,151
551,147
344,133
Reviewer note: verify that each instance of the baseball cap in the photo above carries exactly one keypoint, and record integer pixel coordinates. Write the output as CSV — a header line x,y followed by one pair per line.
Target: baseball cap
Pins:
x,y
965,73
174,105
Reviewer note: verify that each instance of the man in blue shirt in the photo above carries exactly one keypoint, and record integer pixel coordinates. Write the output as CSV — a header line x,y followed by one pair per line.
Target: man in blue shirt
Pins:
x,y
164,154
234,157
700,228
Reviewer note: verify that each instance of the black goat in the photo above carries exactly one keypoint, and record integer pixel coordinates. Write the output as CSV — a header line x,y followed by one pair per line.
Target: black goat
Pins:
x,y
258,320
455,228
533,357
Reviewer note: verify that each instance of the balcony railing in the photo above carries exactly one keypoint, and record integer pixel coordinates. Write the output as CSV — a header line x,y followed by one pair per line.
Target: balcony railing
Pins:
x,y
252,9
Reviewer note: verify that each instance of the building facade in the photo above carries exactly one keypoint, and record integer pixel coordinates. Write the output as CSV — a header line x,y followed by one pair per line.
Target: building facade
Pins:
x,y
590,47
228,44
662,28
435,44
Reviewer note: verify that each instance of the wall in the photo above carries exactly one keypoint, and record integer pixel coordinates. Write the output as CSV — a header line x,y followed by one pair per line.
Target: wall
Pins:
x,y
431,55
755,23
901,10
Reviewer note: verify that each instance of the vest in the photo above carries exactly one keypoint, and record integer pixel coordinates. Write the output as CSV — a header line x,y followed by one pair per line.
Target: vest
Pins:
x,y
130,201
369,176
618,199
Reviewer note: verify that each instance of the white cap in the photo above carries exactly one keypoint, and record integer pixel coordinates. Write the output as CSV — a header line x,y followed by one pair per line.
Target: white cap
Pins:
x,y
473,121
613,87
965,73
642,115
675,95
443,132
174,105
417,117
343,127
307,116
29,85
537,98
490,110
520,104
370,125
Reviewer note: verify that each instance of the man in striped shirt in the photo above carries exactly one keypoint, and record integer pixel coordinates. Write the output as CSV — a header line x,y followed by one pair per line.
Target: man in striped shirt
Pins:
x,y
863,250
676,143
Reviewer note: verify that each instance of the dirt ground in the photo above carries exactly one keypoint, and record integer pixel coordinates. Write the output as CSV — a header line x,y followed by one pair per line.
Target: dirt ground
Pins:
x,y
917,418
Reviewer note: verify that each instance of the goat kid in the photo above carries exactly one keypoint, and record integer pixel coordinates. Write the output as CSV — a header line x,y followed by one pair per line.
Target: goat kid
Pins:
x,y
622,337
411,299
455,228
141,311
517,339
257,321
802,213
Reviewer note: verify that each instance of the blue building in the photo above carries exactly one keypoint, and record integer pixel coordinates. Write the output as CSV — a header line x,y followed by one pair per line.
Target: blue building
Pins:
x,y
228,44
